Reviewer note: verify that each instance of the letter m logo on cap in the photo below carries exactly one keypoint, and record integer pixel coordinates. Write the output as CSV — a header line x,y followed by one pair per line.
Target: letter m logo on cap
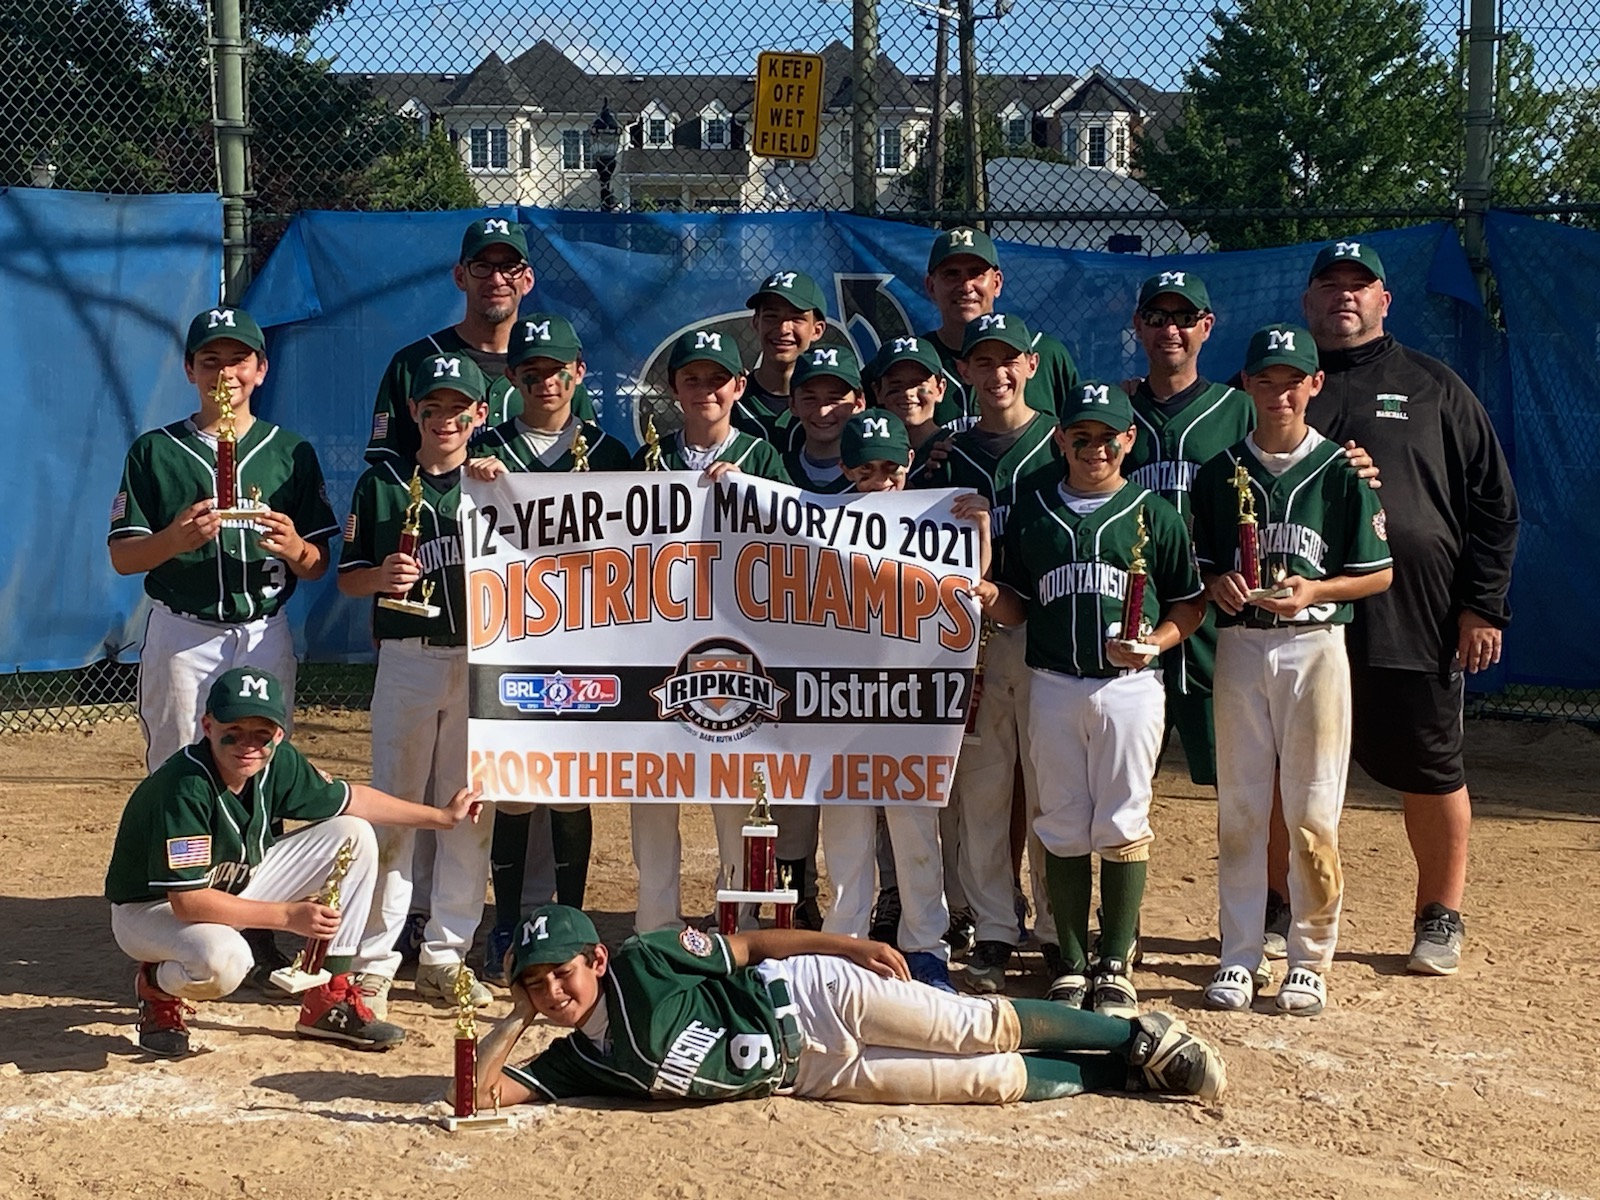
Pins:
x,y
1093,394
992,321
496,225
1347,249
961,237
782,279
220,317
702,339
447,366
904,345
537,329
825,356
1171,279
1280,339
253,685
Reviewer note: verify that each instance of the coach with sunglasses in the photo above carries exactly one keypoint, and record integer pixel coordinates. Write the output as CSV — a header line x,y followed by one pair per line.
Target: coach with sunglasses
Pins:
x,y
494,274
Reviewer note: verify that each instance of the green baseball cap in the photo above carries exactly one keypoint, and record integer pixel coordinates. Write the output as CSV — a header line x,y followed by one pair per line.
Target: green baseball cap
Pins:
x,y
906,349
1356,252
1098,400
223,322
965,240
706,345
1185,284
837,361
875,436
1289,345
450,372
795,287
493,231
997,327
247,692
543,335
550,935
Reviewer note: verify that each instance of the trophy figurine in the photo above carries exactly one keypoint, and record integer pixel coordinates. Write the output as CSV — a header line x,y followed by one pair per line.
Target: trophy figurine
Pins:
x,y
410,527
1250,544
760,833
234,514
465,1114
1135,629
580,451
652,446
307,971
985,631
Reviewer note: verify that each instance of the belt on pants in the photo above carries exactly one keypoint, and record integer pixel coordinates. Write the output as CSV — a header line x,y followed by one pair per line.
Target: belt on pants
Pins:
x,y
792,1042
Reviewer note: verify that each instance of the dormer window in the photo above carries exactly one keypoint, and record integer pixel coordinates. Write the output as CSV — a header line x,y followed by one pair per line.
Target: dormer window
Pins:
x,y
714,126
656,131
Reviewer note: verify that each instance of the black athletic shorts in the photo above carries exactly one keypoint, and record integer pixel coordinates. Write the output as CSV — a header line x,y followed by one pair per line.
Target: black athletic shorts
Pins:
x,y
1191,715
1407,728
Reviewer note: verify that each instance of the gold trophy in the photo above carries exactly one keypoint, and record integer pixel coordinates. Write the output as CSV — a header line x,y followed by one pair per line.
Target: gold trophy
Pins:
x,y
580,451
1135,629
652,446
465,1115
234,514
1250,544
410,527
970,736
763,883
307,971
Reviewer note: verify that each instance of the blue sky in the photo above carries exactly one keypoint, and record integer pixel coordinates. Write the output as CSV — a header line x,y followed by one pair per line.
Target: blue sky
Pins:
x,y
1153,41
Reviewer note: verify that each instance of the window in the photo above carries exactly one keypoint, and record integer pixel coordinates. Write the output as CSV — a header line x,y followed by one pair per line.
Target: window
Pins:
x,y
488,148
1097,146
716,133
656,131
577,150
1122,147
526,159
888,147
1018,131
847,143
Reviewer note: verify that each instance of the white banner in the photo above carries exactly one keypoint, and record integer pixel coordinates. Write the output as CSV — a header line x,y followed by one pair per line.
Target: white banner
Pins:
x,y
652,638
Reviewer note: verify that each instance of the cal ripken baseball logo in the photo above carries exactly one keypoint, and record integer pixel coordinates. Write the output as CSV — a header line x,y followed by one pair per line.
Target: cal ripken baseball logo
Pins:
x,y
720,689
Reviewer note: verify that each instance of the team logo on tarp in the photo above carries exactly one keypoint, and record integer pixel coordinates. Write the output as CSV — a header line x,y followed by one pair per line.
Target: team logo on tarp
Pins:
x,y
720,690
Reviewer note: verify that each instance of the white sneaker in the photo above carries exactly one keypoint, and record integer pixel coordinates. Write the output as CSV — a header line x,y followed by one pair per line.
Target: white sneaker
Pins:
x,y
374,990
438,984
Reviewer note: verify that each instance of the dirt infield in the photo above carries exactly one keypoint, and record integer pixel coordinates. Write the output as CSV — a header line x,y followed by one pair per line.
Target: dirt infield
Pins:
x,y
1481,1085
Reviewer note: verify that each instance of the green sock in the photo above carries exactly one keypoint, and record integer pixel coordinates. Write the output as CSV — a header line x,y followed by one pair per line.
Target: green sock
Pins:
x,y
507,855
1121,895
571,838
1054,1077
338,964
1069,882
1047,1025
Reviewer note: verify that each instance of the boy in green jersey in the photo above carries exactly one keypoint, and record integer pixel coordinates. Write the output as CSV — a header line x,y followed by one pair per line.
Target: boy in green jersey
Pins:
x,y
908,380
826,393
789,316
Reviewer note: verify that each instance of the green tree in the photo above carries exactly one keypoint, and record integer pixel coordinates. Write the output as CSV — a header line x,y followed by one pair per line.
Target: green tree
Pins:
x,y
425,175
1310,106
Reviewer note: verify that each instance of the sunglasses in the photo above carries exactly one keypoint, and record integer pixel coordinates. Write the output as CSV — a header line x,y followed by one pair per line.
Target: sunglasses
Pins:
x,y
1160,318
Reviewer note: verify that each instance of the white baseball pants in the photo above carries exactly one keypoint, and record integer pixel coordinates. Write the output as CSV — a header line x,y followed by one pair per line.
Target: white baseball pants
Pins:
x,y
207,962
658,856
1282,702
183,656
850,843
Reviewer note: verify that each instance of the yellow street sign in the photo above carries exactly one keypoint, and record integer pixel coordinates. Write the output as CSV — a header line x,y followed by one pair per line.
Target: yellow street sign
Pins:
x,y
788,105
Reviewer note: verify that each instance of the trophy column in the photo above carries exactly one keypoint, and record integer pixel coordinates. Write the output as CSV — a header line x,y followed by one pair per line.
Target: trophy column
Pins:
x,y
761,883
410,529
1135,629
307,971
465,1115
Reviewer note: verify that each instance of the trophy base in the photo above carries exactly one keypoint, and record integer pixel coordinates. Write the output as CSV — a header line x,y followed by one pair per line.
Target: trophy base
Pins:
x,y
239,518
476,1122
1269,593
414,608
1146,648
294,981
971,739
781,896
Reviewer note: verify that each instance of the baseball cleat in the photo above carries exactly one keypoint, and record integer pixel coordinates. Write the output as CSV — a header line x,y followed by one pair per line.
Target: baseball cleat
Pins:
x,y
1113,993
337,1012
438,984
412,934
375,991
1437,948
1070,988
962,934
885,926
1168,1058
808,915
267,958
1275,943
161,1026
986,968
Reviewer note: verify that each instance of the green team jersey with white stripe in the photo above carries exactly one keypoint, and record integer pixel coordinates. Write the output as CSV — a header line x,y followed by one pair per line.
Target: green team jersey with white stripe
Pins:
x,y
1073,571
924,472
231,579
395,435
1316,520
511,443
1056,378
797,474
183,830
1031,464
682,1022
750,454
372,533
766,415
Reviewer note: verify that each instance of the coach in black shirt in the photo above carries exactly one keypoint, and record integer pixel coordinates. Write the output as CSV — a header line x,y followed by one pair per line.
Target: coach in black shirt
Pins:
x,y
1451,515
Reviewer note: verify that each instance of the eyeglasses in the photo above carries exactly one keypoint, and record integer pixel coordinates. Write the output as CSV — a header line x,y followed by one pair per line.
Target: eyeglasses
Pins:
x,y
510,272
1160,318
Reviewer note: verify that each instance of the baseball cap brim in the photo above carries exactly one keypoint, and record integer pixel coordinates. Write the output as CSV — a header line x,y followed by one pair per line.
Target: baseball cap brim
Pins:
x,y
567,933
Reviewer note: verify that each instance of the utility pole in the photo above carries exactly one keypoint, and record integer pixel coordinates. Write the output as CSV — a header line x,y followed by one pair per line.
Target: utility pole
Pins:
x,y
1477,179
941,104
977,199
864,105
232,141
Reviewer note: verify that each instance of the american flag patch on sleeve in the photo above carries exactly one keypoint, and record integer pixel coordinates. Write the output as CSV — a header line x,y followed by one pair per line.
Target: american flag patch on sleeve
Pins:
x,y
380,426
350,528
119,506
189,852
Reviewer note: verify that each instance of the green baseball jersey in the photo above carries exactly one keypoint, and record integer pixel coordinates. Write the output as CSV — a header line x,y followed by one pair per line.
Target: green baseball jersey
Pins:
x,y
230,579
510,443
1031,463
1174,440
1056,378
766,415
797,473
1316,520
750,454
372,533
395,435
683,1022
183,830
923,472
1073,571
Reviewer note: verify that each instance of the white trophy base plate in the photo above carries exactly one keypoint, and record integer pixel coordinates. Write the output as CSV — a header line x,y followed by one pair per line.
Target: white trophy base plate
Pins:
x,y
240,518
295,981
1269,593
1138,647
778,897
476,1122
413,608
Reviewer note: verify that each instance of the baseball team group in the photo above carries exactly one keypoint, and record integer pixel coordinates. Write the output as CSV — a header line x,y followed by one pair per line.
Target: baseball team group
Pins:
x,y
1289,623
